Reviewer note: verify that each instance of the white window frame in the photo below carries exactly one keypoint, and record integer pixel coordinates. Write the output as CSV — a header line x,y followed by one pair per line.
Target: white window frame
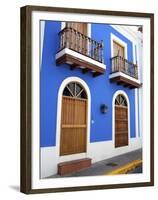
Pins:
x,y
114,38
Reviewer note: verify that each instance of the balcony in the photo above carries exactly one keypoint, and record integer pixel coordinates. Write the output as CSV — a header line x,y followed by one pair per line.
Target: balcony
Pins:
x,y
80,51
124,72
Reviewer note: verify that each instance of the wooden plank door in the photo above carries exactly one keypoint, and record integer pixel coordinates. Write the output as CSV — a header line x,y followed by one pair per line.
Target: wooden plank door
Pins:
x,y
118,49
73,126
80,27
79,41
121,126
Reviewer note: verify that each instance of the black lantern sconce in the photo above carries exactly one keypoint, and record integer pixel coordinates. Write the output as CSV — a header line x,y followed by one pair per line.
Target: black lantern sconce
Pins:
x,y
103,108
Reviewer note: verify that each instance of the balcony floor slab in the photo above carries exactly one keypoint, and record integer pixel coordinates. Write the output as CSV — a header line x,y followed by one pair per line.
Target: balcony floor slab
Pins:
x,y
125,80
77,60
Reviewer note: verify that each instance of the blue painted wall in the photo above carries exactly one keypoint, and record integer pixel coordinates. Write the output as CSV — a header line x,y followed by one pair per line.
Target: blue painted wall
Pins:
x,y
51,77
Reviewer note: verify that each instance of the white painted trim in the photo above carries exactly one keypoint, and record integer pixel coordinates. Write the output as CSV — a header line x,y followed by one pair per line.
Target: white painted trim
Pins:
x,y
63,24
141,69
79,56
129,33
134,52
140,58
136,90
113,75
97,151
135,46
58,123
42,28
136,112
89,30
140,112
119,41
113,115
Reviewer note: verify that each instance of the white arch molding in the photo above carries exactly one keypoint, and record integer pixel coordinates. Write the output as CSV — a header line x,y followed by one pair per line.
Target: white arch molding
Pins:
x,y
113,115
58,122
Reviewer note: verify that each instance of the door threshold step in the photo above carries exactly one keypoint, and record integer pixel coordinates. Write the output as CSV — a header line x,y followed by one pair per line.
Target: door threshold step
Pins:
x,y
73,166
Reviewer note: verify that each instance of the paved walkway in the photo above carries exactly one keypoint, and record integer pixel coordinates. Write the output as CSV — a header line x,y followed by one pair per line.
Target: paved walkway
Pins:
x,y
105,166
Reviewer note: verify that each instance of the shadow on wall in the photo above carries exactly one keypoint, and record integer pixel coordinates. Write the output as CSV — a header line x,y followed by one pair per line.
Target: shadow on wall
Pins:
x,y
15,187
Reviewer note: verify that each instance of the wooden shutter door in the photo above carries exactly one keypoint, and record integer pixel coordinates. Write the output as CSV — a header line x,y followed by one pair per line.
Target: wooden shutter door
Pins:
x,y
80,42
73,126
118,49
121,126
80,27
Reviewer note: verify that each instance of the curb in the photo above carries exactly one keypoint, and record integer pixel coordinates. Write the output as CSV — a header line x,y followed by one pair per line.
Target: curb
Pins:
x,y
126,168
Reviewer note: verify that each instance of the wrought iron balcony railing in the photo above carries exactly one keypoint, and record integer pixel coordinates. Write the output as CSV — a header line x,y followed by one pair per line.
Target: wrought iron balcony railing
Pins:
x,y
74,40
119,64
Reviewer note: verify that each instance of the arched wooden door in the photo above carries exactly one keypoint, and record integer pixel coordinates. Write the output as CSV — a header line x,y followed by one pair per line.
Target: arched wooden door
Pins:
x,y
73,120
121,121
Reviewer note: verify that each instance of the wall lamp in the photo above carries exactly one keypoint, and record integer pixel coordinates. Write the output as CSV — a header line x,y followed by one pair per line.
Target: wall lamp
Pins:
x,y
103,108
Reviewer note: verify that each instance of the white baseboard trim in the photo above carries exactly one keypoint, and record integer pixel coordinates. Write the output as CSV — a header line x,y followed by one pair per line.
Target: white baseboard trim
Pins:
x,y
97,151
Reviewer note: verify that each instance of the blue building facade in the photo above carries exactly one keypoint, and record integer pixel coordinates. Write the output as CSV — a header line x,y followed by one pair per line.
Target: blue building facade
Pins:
x,y
102,91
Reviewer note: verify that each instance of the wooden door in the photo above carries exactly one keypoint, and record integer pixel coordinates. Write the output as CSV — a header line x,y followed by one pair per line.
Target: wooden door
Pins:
x,y
121,122
118,49
73,121
79,40
80,27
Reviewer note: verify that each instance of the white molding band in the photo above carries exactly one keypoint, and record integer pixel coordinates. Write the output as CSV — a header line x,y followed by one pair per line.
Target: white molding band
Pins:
x,y
127,32
63,24
136,112
134,52
42,28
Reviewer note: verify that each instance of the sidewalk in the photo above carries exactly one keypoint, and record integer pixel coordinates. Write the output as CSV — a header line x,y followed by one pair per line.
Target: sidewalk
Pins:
x,y
106,166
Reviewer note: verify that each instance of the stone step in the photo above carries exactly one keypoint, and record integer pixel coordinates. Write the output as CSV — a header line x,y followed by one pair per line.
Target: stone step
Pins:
x,y
73,166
